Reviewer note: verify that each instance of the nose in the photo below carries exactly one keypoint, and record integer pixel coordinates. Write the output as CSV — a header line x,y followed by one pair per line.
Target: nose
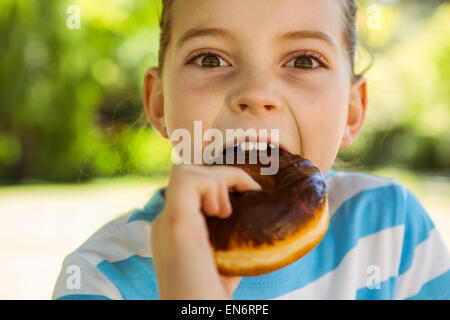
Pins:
x,y
256,96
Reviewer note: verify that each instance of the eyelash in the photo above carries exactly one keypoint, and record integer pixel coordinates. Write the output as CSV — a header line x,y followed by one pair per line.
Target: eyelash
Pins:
x,y
313,55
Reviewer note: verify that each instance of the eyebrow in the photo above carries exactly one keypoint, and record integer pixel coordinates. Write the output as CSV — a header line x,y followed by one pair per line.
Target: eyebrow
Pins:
x,y
309,34
223,33
202,32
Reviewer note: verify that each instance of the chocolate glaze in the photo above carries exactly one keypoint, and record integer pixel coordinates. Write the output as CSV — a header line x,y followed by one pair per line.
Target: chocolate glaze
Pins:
x,y
287,200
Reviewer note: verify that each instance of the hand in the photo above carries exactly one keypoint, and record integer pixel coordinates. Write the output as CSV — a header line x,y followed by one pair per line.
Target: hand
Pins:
x,y
183,259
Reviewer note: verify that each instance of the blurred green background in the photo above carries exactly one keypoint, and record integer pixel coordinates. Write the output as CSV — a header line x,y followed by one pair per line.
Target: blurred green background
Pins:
x,y
76,151
71,98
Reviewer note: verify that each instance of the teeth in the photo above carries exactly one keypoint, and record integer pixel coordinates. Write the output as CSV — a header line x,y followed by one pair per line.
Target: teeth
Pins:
x,y
249,146
246,146
262,146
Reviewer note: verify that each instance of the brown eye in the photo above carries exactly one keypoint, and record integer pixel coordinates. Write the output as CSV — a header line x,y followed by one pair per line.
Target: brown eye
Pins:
x,y
208,60
304,62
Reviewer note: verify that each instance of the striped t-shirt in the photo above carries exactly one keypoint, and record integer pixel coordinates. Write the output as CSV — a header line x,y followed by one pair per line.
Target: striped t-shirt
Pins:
x,y
380,244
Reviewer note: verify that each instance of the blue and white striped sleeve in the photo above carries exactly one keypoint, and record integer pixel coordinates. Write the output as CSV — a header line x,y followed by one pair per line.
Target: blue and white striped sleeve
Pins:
x,y
424,265
114,263
80,279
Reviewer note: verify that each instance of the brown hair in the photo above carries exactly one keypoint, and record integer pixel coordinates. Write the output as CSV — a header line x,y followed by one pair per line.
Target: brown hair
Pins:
x,y
350,10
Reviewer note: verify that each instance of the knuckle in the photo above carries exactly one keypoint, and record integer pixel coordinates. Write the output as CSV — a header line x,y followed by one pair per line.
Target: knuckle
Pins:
x,y
173,221
181,229
223,185
175,228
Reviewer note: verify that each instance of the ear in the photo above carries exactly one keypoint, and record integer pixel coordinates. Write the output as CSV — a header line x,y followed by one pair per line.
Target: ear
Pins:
x,y
356,111
154,101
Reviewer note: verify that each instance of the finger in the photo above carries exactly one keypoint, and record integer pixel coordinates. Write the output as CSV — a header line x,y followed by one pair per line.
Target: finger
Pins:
x,y
210,199
237,178
224,199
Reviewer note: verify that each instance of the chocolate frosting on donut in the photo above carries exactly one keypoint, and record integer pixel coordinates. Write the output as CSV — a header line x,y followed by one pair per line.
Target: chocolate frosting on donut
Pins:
x,y
287,200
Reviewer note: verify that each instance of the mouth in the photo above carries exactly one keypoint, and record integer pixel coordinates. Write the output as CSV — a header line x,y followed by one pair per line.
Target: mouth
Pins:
x,y
252,144
252,155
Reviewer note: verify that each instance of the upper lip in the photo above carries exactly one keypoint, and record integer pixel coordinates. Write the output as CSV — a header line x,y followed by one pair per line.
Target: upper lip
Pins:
x,y
236,140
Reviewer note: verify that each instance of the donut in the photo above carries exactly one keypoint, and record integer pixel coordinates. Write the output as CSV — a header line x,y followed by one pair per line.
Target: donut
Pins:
x,y
274,227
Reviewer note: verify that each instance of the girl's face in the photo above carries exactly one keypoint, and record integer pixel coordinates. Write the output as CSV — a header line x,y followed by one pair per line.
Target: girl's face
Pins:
x,y
262,64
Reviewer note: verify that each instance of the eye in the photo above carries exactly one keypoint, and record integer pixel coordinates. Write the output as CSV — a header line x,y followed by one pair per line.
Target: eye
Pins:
x,y
306,62
207,60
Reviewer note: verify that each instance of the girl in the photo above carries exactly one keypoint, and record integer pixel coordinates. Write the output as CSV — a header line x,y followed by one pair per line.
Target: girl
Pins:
x,y
286,65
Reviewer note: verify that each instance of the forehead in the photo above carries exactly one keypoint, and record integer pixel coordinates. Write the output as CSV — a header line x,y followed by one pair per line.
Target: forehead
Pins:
x,y
255,19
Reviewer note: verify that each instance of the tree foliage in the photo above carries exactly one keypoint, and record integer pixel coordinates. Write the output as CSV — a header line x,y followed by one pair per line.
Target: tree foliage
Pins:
x,y
71,98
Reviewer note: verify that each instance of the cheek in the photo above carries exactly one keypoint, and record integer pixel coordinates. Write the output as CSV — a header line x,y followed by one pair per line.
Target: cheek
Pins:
x,y
189,100
322,116
322,104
